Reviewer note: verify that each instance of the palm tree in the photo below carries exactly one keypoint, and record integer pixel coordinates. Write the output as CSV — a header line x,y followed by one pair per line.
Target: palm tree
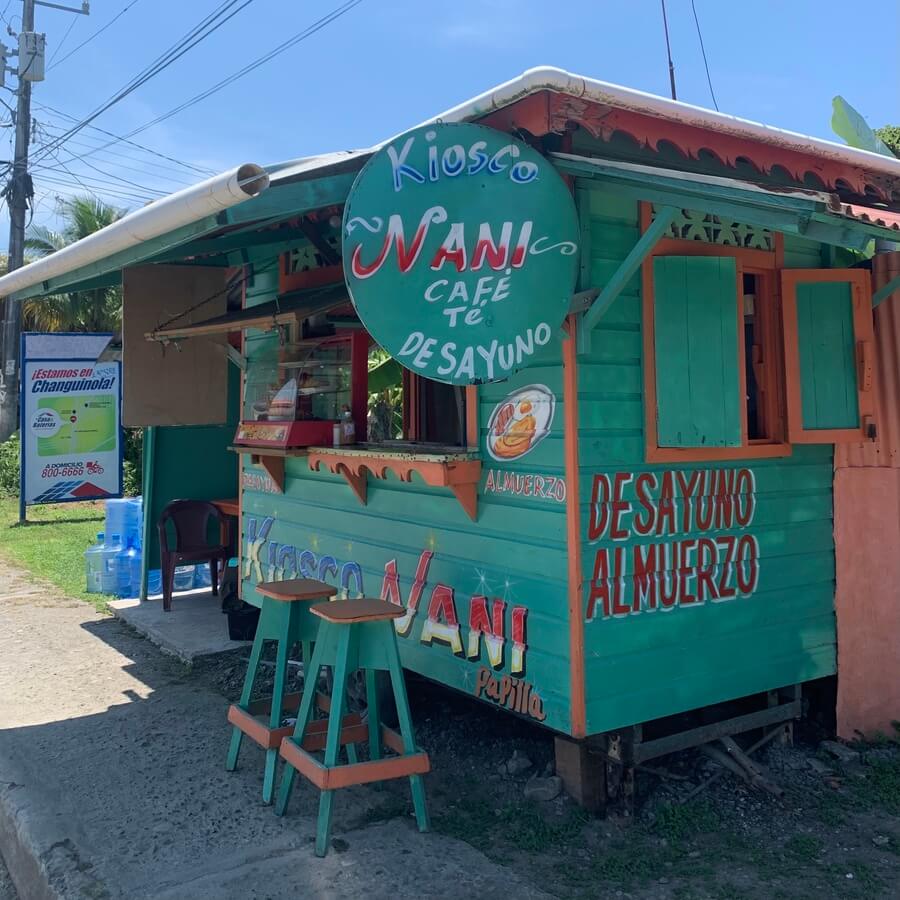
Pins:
x,y
99,309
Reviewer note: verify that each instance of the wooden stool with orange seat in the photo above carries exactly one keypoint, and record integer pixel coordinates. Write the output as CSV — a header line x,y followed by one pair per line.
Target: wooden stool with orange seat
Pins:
x,y
354,634
284,618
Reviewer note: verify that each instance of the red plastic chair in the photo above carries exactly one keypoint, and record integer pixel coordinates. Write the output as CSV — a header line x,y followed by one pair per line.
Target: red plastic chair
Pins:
x,y
190,520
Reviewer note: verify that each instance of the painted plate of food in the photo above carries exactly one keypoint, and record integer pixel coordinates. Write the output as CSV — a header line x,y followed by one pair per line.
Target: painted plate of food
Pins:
x,y
520,422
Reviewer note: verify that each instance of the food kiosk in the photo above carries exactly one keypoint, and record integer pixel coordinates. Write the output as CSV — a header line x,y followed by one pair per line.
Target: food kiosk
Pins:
x,y
625,335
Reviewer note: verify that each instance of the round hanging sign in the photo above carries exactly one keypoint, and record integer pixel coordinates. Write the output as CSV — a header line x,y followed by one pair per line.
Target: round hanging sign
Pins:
x,y
460,252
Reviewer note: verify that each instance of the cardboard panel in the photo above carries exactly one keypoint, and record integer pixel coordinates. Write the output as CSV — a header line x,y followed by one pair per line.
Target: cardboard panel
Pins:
x,y
169,385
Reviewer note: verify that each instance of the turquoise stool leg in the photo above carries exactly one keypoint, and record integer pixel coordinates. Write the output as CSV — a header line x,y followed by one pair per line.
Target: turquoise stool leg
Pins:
x,y
303,716
252,665
333,740
306,650
352,755
277,701
374,715
406,727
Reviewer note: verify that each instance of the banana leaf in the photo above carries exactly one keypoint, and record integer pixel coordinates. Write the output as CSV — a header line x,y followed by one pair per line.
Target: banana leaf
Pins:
x,y
848,124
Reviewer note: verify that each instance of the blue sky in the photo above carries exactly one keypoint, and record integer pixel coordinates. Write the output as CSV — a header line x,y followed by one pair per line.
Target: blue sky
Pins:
x,y
387,64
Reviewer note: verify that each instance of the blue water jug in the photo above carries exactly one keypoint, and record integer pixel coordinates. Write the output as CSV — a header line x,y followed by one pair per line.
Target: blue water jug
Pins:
x,y
154,582
184,578
124,518
136,572
109,576
93,565
202,576
124,585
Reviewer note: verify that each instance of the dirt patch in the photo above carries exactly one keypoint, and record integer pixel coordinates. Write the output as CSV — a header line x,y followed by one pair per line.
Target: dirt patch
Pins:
x,y
834,834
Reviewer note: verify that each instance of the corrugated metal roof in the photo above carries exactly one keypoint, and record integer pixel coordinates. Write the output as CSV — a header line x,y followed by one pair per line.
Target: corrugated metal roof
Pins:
x,y
885,451
883,218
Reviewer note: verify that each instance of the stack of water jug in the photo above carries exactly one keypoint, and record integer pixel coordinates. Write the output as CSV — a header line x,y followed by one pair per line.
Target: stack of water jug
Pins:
x,y
113,564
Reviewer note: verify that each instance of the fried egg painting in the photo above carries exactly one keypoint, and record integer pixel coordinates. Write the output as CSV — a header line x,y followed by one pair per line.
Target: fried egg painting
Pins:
x,y
520,422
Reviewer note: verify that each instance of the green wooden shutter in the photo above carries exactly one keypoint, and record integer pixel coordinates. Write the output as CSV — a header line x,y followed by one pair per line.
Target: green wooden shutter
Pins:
x,y
827,349
698,385
828,344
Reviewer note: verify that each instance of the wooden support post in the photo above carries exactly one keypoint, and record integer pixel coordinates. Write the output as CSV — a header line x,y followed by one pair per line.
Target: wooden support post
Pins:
x,y
583,774
620,278
785,730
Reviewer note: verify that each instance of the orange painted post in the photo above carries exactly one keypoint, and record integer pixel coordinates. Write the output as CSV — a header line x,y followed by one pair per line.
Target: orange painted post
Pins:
x,y
573,533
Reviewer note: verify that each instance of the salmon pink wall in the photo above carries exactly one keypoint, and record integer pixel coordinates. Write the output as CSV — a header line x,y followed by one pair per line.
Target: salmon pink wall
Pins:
x,y
867,601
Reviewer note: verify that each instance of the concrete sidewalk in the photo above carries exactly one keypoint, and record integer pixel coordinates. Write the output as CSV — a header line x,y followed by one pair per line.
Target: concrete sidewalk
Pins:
x,y
112,783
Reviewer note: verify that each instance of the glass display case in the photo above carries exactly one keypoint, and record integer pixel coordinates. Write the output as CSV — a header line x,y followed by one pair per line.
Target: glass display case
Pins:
x,y
295,393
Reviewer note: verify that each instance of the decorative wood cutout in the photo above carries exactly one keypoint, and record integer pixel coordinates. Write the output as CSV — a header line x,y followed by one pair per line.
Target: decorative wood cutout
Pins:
x,y
271,459
274,467
549,112
459,474
691,225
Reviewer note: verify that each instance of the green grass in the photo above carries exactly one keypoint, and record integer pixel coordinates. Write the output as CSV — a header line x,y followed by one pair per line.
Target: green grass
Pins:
x,y
804,847
52,543
881,787
478,823
676,822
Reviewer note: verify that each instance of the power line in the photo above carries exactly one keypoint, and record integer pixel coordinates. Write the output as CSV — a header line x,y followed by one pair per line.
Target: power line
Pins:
x,y
669,51
59,46
210,24
118,138
703,51
200,31
57,179
91,37
307,32
145,189
145,164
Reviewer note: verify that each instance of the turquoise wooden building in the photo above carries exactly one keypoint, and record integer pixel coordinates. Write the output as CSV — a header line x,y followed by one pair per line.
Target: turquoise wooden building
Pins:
x,y
634,526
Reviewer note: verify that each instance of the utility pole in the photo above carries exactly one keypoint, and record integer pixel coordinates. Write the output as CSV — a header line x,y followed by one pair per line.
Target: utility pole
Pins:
x,y
19,193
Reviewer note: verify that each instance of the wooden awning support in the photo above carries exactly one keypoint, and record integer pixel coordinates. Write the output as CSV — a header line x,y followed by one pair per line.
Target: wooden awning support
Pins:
x,y
283,310
662,220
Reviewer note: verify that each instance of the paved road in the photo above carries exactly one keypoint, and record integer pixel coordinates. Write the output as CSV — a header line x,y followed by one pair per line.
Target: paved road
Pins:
x,y
7,891
112,761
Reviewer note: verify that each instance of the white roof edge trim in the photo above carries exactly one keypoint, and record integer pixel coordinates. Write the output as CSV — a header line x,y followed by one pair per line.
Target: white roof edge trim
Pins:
x,y
157,218
550,78
232,187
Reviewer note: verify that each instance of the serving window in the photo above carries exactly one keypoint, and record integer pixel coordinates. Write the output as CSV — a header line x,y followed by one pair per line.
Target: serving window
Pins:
x,y
742,359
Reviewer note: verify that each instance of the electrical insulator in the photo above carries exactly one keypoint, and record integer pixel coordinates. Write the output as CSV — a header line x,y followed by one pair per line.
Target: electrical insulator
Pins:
x,y
4,53
31,55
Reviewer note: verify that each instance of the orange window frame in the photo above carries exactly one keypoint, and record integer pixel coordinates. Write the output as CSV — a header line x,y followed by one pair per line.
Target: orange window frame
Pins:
x,y
864,339
412,427
765,265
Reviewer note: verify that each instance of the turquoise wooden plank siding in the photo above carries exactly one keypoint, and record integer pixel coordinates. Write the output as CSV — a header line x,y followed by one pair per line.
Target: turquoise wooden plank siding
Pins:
x,y
704,582
173,479
826,342
512,560
695,325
